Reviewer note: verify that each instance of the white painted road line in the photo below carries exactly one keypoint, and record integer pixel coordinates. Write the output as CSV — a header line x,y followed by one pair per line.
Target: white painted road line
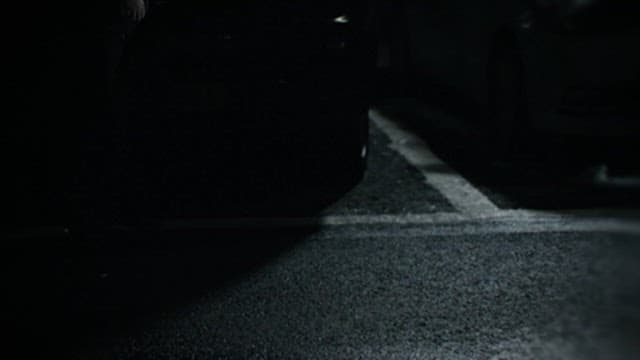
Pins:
x,y
509,221
505,221
461,194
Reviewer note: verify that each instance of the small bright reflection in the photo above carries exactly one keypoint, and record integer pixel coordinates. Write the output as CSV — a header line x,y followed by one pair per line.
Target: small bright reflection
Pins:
x,y
583,2
342,19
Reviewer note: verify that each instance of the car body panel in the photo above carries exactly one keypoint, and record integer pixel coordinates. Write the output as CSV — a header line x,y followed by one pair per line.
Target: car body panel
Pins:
x,y
584,45
580,73
287,82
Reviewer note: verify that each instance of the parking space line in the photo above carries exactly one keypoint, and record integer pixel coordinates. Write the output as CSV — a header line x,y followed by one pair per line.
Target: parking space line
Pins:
x,y
508,221
463,196
452,223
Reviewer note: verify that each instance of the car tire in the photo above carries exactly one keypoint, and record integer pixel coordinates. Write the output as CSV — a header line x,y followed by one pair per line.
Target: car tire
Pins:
x,y
506,97
360,154
350,151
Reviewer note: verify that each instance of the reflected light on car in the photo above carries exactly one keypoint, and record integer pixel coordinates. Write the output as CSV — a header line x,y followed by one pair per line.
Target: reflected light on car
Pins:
x,y
342,19
583,2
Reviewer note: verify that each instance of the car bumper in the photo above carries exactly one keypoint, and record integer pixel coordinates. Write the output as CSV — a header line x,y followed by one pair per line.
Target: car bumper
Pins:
x,y
586,122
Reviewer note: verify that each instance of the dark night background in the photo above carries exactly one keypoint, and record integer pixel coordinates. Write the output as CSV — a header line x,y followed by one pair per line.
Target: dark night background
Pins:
x,y
335,179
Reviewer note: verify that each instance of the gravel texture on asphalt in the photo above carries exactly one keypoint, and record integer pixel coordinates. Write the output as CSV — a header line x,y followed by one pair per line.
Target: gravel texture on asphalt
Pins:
x,y
390,186
358,293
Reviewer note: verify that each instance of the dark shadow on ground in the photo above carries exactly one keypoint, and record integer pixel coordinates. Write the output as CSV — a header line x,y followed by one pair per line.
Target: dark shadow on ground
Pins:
x,y
68,294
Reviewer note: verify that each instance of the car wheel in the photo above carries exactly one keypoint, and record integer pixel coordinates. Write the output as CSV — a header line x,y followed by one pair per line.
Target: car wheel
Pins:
x,y
361,154
351,151
507,104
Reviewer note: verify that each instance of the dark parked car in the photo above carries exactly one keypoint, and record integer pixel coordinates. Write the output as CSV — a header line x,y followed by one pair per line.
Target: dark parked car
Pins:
x,y
566,67
211,96
519,70
291,78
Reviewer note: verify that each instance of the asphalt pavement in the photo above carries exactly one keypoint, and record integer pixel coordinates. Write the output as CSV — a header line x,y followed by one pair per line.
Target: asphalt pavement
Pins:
x,y
415,262
435,254
407,293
